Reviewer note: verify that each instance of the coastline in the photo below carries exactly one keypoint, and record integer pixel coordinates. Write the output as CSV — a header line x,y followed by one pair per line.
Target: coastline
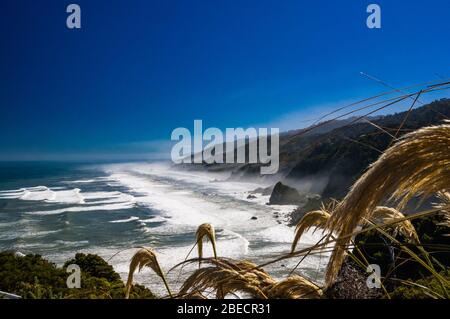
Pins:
x,y
151,205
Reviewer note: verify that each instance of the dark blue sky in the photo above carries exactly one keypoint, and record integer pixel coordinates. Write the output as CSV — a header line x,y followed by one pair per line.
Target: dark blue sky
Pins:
x,y
138,69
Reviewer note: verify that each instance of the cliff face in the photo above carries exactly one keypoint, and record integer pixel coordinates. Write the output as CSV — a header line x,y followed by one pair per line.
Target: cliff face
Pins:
x,y
328,160
342,155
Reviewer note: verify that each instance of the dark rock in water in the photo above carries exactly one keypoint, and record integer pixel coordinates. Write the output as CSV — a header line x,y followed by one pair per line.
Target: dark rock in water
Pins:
x,y
263,191
284,195
313,202
251,197
296,215
254,218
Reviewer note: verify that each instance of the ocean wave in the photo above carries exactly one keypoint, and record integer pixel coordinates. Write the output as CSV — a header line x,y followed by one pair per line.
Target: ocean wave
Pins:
x,y
154,219
233,235
81,181
67,243
108,198
85,201
127,220
43,193
41,233
120,206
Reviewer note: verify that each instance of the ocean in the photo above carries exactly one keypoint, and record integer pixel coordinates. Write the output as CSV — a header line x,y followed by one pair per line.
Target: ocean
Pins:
x,y
59,209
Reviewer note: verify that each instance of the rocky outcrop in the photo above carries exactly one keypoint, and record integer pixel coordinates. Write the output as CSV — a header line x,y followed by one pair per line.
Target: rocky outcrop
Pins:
x,y
351,284
312,202
263,191
284,195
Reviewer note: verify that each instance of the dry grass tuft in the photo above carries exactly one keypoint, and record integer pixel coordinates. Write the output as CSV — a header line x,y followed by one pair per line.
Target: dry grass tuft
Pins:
x,y
444,205
205,230
193,295
405,228
295,287
223,281
249,283
264,278
144,257
228,277
418,164
317,218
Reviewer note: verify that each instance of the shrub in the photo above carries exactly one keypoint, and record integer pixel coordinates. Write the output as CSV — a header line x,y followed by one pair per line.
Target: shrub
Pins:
x,y
32,276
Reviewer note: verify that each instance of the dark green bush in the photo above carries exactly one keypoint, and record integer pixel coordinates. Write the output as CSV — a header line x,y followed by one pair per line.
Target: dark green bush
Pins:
x,y
424,288
31,276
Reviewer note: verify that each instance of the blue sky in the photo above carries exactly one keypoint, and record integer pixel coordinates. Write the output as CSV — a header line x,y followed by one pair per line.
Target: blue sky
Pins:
x,y
136,70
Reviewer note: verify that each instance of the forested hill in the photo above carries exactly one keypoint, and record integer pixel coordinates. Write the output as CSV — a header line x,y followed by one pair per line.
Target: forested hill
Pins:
x,y
331,161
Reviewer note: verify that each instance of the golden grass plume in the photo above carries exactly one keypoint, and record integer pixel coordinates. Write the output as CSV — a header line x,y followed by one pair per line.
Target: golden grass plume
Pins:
x,y
418,164
228,277
317,218
294,287
389,214
444,205
205,230
144,257
223,281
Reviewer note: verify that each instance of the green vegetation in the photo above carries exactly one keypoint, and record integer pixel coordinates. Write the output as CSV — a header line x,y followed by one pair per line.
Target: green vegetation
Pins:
x,y
337,153
394,262
343,154
425,288
32,276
